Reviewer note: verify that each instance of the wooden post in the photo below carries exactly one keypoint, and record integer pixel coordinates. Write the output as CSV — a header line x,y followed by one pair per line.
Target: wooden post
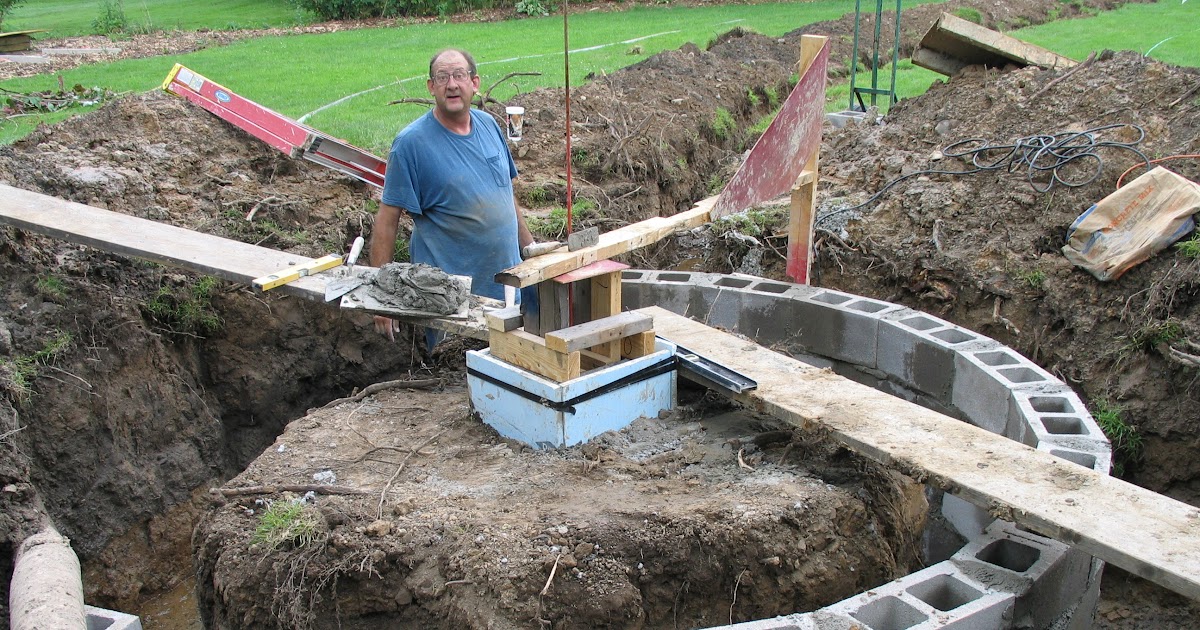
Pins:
x,y
802,222
606,302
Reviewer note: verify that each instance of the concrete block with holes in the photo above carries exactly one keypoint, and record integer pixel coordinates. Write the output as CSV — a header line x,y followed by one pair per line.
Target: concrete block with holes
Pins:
x,y
920,351
941,596
984,379
1046,576
1057,417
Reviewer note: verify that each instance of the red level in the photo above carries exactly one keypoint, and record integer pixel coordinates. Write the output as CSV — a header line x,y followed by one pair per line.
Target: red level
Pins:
x,y
277,130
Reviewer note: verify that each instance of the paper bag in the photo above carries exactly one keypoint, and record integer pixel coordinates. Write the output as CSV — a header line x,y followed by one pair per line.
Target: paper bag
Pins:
x,y
1132,224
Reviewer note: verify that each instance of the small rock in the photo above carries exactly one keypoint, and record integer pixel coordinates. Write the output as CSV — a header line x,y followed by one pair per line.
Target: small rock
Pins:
x,y
583,550
943,127
379,528
325,476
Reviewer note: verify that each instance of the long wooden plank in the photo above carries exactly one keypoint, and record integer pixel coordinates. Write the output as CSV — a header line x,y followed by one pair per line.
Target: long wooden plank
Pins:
x,y
1140,531
611,244
177,247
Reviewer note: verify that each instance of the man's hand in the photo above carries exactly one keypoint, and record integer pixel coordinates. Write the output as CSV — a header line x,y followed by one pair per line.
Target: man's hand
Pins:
x,y
387,327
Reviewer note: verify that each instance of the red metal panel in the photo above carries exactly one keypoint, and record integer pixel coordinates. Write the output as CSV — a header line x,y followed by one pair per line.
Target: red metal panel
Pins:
x,y
277,130
779,155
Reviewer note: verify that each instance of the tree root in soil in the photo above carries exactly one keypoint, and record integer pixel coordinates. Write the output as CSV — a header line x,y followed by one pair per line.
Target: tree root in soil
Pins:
x,y
375,388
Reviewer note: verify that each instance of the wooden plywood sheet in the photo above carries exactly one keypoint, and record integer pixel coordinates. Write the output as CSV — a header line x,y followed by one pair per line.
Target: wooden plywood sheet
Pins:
x,y
953,43
1140,531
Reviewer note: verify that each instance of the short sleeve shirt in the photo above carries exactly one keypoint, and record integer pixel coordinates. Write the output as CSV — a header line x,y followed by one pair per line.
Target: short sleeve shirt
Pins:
x,y
459,192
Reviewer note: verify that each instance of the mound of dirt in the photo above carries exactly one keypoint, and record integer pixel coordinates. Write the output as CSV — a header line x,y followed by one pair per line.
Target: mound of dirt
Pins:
x,y
678,521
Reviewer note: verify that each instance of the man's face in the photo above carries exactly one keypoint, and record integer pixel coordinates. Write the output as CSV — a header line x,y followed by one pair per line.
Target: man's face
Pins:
x,y
455,94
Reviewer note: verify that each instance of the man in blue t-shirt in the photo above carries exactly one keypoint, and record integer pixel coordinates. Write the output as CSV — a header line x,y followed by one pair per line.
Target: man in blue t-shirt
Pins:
x,y
452,171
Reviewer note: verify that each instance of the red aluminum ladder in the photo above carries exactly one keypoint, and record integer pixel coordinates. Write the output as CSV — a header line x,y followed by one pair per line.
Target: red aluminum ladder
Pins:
x,y
283,133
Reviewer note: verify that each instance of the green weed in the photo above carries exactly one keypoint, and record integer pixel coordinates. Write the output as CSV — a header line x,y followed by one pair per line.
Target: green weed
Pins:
x,y
401,252
51,288
537,196
111,19
186,310
969,14
1124,437
17,374
582,159
772,97
1035,278
534,8
715,184
760,126
722,124
754,223
286,522
6,6
552,226
1191,247
752,97
1155,333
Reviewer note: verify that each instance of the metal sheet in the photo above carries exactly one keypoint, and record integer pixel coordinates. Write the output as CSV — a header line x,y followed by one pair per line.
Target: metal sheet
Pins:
x,y
779,155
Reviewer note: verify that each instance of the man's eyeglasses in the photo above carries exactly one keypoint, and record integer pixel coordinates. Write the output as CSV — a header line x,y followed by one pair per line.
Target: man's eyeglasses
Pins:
x,y
443,78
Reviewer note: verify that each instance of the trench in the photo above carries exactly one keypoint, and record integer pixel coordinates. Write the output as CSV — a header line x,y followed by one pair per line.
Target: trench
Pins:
x,y
163,592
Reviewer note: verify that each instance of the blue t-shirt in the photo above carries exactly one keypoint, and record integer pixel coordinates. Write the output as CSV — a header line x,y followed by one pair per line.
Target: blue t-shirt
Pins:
x,y
459,192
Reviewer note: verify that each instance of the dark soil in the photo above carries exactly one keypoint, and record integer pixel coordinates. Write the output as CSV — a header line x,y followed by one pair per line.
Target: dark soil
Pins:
x,y
118,436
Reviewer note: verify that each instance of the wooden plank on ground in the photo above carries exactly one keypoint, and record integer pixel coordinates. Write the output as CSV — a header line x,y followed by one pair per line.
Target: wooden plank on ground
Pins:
x,y
953,43
1145,533
611,244
223,258
582,336
530,352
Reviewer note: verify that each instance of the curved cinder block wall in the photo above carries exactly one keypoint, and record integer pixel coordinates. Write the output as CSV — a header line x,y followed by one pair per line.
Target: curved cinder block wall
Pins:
x,y
1003,577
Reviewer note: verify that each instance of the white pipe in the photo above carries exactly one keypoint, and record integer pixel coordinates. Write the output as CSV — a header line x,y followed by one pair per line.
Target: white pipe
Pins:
x,y
46,592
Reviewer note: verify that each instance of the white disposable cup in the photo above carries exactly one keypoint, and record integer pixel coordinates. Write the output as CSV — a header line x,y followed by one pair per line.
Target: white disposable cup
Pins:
x,y
516,120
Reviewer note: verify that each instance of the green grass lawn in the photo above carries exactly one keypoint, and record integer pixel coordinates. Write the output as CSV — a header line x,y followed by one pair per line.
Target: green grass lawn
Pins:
x,y
1168,30
69,18
307,75
298,74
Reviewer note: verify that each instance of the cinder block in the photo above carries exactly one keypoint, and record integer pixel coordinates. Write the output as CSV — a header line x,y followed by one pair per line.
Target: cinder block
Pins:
x,y
919,350
1055,415
941,596
840,325
1084,614
984,379
669,290
1098,458
1046,576
968,519
101,619
790,622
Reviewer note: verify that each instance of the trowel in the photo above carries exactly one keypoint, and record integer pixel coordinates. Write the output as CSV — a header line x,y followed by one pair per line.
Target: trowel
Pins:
x,y
349,281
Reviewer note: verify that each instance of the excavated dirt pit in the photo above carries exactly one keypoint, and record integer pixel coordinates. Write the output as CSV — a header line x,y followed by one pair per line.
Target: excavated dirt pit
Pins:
x,y
658,525
139,406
